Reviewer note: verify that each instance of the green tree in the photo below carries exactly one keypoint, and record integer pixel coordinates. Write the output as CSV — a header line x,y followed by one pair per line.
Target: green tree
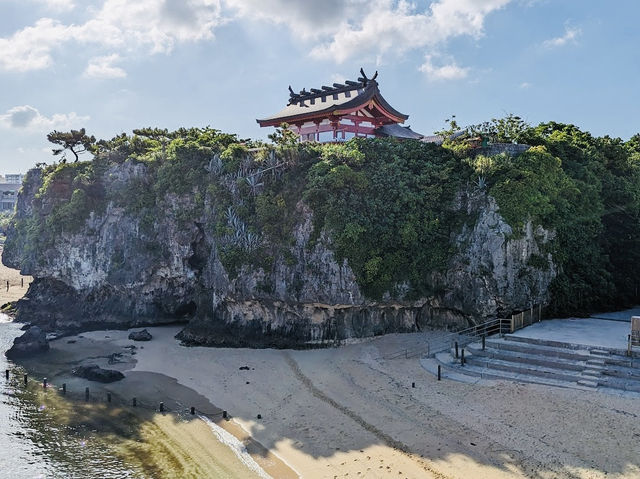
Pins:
x,y
76,141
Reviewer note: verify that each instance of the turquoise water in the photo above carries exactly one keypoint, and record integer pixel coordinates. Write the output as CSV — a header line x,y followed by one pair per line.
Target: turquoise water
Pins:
x,y
34,442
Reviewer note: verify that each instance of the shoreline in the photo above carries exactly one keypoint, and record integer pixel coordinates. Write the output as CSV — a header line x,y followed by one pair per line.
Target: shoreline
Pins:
x,y
345,412
149,389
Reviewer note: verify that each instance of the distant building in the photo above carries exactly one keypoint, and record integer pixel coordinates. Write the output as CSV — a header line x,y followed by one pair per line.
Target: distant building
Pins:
x,y
342,111
9,195
14,178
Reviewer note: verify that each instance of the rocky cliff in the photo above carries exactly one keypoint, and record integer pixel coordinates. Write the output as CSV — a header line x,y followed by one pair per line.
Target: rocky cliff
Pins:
x,y
100,260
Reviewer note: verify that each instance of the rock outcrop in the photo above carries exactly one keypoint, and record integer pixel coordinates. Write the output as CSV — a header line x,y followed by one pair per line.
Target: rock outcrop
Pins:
x,y
142,335
33,341
115,272
93,372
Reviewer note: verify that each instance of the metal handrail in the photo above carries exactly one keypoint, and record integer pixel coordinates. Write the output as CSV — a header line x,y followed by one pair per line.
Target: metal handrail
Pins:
x,y
468,335
493,326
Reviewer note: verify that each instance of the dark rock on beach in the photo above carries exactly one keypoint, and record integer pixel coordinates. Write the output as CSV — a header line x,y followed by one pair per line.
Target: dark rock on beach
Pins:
x,y
93,372
143,335
33,341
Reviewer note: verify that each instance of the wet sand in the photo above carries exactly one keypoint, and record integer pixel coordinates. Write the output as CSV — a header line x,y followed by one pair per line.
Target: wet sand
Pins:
x,y
346,412
166,445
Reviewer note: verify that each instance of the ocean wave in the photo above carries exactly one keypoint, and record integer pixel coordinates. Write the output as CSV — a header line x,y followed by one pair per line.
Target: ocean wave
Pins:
x,y
237,447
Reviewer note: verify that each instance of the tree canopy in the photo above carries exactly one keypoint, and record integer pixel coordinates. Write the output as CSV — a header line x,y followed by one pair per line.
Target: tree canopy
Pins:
x,y
76,141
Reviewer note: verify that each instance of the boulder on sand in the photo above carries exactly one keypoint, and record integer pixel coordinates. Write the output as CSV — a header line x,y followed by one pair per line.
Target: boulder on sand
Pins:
x,y
143,335
33,341
93,372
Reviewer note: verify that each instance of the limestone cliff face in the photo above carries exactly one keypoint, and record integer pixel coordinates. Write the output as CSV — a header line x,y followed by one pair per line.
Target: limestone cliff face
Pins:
x,y
116,272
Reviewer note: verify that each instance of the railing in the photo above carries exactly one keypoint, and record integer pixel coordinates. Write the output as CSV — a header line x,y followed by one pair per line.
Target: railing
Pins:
x,y
463,337
469,335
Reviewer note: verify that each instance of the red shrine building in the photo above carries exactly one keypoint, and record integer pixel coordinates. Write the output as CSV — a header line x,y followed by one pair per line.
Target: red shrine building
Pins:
x,y
340,112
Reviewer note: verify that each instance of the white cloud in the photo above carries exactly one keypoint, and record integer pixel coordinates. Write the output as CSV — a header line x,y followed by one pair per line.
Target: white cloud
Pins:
x,y
26,117
444,72
154,26
103,67
524,85
571,35
336,30
305,18
30,48
396,27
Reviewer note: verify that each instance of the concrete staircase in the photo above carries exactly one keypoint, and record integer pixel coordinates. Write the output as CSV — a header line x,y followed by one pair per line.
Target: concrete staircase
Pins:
x,y
535,361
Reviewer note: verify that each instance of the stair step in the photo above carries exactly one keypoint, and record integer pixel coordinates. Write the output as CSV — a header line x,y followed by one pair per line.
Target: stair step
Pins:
x,y
599,352
542,350
587,383
596,362
527,358
500,365
591,373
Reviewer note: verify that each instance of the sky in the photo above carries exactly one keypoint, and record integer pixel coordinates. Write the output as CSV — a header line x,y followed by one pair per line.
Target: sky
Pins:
x,y
114,65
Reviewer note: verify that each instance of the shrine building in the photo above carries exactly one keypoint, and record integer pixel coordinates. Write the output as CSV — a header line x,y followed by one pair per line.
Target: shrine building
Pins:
x,y
342,111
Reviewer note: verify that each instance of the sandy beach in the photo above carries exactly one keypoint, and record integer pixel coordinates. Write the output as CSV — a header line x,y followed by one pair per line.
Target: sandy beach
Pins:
x,y
344,412
18,283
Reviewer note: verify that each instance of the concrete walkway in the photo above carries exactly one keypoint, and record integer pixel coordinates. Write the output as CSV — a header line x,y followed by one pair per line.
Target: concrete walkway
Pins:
x,y
590,332
619,315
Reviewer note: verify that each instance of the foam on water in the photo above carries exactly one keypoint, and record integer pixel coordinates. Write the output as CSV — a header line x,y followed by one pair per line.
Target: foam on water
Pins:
x,y
236,446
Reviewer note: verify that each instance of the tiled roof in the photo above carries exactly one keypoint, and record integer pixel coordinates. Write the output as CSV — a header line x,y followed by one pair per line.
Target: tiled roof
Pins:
x,y
398,131
329,100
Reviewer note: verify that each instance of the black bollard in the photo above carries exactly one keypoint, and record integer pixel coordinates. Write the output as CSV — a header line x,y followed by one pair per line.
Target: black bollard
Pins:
x,y
483,341
462,358
161,407
25,379
6,374
439,372
64,388
44,382
108,397
7,285
193,410
456,349
22,282
259,416
134,402
86,394
413,385
224,414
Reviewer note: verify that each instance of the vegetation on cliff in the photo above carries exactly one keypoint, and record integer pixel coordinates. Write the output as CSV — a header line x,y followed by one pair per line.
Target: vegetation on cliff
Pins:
x,y
391,209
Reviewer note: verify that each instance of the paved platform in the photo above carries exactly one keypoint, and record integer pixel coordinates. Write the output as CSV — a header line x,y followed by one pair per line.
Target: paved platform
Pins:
x,y
589,332
619,315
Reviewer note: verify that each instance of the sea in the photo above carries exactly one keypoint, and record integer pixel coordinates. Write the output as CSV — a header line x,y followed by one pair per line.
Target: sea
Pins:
x,y
36,441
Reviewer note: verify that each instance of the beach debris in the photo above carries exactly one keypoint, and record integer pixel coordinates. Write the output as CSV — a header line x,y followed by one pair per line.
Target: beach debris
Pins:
x,y
244,368
114,358
143,335
93,372
25,326
54,335
33,341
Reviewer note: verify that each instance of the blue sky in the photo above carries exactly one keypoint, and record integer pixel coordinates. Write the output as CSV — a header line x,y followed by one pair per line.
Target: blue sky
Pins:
x,y
114,65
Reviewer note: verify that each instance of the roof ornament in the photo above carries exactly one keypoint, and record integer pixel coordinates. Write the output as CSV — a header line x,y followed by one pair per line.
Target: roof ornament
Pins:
x,y
364,77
